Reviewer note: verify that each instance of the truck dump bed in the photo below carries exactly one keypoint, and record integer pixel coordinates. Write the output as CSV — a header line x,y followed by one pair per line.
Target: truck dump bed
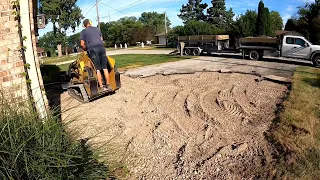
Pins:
x,y
259,41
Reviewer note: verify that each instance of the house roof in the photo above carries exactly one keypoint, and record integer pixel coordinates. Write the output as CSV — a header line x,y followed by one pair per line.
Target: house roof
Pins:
x,y
162,34
40,50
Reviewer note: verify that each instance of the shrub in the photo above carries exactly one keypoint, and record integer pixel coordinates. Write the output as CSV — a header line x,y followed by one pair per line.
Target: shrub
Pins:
x,y
34,148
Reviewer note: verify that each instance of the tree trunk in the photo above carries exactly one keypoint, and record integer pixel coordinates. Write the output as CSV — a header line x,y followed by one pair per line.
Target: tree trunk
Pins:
x,y
59,47
66,50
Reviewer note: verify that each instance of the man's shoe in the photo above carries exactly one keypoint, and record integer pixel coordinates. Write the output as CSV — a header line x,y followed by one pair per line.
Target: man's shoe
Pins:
x,y
108,87
103,89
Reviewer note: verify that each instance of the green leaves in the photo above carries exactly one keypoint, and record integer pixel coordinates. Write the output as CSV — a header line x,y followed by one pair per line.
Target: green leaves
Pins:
x,y
193,10
219,16
27,65
307,22
154,21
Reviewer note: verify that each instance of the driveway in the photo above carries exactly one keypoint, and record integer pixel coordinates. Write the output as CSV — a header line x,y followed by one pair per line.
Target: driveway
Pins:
x,y
269,67
203,125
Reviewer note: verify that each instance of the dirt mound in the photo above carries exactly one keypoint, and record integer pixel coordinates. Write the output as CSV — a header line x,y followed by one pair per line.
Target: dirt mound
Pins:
x,y
198,126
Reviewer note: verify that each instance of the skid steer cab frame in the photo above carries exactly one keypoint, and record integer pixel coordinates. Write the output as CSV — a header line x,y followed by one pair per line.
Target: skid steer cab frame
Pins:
x,y
83,84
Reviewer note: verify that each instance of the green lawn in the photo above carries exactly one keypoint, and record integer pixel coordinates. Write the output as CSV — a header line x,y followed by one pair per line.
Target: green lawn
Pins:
x,y
126,61
55,60
296,133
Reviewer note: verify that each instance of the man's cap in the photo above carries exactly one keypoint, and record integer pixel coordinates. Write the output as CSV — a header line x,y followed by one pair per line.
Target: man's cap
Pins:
x,y
86,22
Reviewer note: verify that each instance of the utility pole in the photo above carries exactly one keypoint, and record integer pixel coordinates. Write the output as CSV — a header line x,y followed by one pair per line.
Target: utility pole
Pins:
x,y
165,26
98,17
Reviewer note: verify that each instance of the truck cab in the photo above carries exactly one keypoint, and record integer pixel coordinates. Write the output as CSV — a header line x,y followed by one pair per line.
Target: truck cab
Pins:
x,y
299,47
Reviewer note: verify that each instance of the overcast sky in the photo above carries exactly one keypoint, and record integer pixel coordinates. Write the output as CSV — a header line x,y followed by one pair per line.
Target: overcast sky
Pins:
x,y
114,9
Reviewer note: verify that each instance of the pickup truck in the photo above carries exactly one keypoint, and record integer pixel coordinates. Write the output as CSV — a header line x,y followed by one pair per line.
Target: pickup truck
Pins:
x,y
289,46
284,45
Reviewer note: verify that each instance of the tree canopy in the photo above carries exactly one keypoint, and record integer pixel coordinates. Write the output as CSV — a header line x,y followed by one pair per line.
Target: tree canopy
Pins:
x,y
218,15
154,21
307,21
63,15
193,11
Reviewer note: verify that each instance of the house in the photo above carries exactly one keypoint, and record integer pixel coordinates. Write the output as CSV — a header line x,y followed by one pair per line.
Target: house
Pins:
x,y
161,38
19,57
41,52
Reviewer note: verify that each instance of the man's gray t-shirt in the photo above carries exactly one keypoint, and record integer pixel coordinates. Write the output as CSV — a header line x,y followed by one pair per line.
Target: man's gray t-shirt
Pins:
x,y
91,36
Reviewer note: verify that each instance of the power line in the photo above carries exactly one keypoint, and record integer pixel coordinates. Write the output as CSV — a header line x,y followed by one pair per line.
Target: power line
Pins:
x,y
115,10
90,9
121,9
105,15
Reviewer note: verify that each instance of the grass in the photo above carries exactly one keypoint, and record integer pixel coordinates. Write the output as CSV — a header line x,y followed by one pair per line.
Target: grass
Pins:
x,y
126,61
55,60
296,133
154,47
33,148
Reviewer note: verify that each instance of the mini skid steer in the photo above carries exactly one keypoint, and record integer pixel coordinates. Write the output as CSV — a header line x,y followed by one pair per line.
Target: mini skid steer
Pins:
x,y
84,85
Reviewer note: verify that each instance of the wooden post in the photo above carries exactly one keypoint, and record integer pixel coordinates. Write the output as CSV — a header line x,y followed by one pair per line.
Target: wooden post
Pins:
x,y
181,48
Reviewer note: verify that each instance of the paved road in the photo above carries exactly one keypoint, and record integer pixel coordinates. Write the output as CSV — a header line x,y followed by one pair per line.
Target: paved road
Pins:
x,y
282,68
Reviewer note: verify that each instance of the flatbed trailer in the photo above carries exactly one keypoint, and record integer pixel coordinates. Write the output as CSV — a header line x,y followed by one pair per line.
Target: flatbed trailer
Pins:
x,y
197,45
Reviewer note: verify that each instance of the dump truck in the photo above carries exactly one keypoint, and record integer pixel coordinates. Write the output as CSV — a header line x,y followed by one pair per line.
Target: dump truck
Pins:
x,y
255,48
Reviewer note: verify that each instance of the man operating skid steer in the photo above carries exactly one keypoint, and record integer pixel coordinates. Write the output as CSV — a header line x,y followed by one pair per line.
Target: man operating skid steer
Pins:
x,y
91,41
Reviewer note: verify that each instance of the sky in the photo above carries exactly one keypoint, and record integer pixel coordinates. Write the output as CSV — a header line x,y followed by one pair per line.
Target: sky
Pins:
x,y
112,10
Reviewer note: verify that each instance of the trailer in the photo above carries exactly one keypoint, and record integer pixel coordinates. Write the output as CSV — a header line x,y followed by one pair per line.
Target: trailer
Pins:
x,y
285,44
197,45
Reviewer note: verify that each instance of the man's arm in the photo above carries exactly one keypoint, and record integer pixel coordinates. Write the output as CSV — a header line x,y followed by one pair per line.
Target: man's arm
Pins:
x,y
82,41
83,45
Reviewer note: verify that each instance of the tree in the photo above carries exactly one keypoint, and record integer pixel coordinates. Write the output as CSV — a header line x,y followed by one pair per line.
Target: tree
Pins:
x,y
307,22
193,10
48,43
267,25
219,16
276,22
73,40
63,15
290,25
245,24
154,21
261,19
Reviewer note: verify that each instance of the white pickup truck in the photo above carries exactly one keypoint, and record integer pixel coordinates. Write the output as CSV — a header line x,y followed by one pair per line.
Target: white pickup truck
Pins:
x,y
289,46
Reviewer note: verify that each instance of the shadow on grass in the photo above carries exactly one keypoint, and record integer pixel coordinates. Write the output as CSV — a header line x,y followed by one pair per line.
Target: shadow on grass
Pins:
x,y
314,82
53,77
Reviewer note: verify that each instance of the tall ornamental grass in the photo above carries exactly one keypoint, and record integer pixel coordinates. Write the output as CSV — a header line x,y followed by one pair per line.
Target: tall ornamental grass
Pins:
x,y
34,148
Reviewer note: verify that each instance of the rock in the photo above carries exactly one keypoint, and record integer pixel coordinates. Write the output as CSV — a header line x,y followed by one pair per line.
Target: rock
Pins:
x,y
225,71
277,79
242,147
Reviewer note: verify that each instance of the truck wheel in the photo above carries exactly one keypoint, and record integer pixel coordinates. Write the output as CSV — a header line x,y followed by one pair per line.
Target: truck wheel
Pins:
x,y
254,55
316,61
187,52
196,52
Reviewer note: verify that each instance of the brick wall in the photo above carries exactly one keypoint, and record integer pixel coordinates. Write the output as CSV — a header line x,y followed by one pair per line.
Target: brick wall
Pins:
x,y
11,64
